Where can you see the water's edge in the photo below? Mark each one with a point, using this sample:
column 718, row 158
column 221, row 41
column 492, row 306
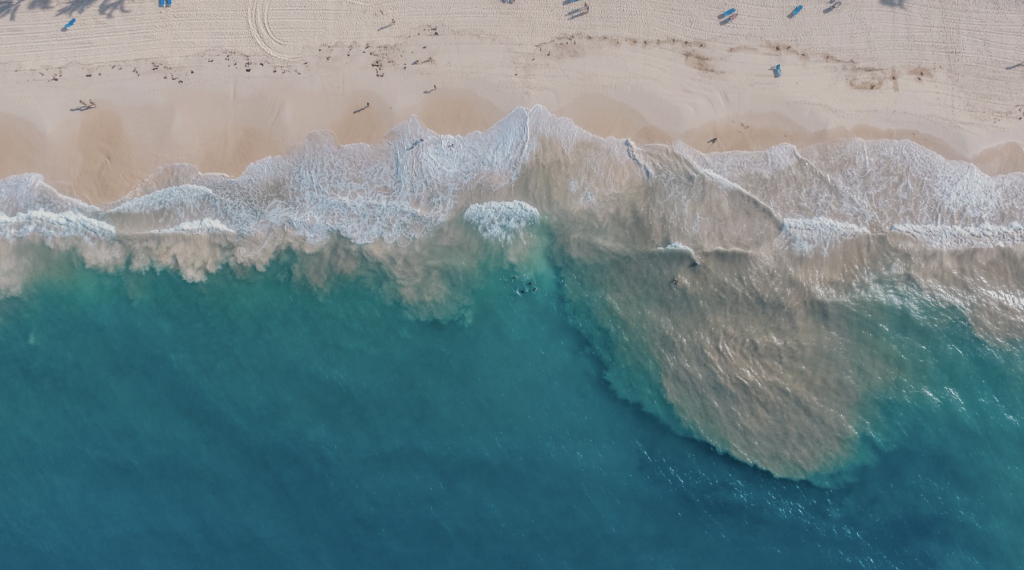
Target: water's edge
column 725, row 292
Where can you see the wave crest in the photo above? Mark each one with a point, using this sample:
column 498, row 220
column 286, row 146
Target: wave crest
column 502, row 221
column 742, row 349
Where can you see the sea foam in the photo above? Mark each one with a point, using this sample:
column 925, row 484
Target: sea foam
column 48, row 225
column 739, row 350
column 502, row 221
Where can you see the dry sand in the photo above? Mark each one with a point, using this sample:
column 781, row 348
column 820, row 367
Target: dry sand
column 223, row 83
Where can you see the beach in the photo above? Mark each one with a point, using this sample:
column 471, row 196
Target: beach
column 221, row 85
column 525, row 284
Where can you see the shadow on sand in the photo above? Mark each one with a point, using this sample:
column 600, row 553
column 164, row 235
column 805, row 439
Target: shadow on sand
column 9, row 8
column 107, row 7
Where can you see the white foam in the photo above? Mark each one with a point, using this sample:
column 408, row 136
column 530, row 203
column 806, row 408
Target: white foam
column 201, row 227
column 27, row 192
column 323, row 198
column 47, row 225
column 401, row 189
column 804, row 235
column 678, row 247
column 502, row 221
column 634, row 154
column 963, row 237
column 872, row 184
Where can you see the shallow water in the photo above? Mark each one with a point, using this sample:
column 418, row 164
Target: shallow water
column 790, row 358
column 254, row 422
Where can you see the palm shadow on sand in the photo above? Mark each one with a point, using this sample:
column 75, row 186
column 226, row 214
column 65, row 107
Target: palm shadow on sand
column 9, row 8
column 107, row 7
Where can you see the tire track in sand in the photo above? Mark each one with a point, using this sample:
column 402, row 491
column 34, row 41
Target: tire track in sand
column 261, row 26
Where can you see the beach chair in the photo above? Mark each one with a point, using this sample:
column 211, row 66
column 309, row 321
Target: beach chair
column 161, row 3
column 778, row 70
column 69, row 24
column 727, row 13
column 796, row 11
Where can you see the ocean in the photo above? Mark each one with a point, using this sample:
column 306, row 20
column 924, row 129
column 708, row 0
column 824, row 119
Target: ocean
column 528, row 347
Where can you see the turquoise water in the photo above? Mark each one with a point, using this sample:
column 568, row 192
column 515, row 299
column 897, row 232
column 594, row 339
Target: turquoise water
column 795, row 358
column 256, row 421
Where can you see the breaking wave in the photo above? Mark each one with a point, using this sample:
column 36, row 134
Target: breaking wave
column 718, row 288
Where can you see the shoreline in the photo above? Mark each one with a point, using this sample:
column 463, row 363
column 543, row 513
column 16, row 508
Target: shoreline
column 459, row 71
column 110, row 138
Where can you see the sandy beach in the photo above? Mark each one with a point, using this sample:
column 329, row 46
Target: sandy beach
column 512, row 283
column 223, row 84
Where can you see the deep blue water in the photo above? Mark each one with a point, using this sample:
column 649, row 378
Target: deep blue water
column 253, row 422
